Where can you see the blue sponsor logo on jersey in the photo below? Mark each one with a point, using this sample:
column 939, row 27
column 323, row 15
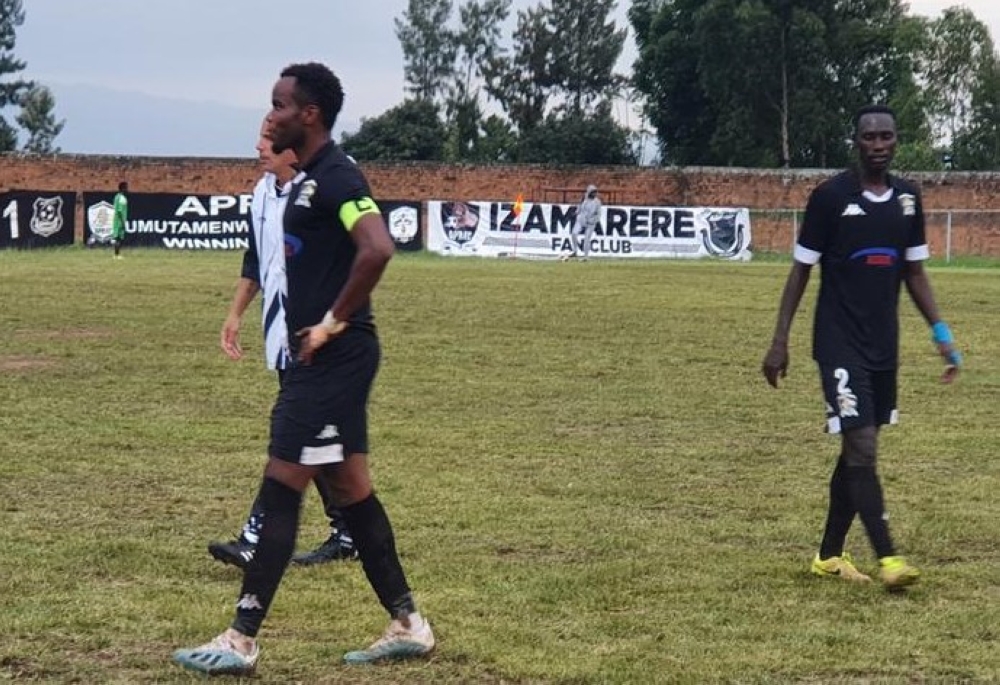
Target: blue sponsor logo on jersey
column 878, row 256
column 293, row 245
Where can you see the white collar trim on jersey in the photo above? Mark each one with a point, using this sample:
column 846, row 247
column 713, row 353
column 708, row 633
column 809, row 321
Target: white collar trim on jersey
column 884, row 197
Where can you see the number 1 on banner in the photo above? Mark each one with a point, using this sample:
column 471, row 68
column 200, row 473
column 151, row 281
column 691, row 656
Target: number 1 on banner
column 10, row 211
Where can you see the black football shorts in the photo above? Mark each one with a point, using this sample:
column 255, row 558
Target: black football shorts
column 321, row 413
column 856, row 397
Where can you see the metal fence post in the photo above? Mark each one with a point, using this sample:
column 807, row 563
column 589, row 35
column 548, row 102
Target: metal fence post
column 947, row 240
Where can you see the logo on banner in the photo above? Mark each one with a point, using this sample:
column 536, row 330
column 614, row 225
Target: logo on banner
column 403, row 224
column 46, row 217
column 460, row 222
column 101, row 219
column 725, row 235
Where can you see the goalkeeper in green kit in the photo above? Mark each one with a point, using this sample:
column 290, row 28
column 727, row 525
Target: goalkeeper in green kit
column 120, row 218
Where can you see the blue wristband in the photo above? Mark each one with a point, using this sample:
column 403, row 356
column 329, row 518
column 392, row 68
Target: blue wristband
column 941, row 334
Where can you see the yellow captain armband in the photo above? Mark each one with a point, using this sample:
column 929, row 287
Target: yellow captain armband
column 352, row 210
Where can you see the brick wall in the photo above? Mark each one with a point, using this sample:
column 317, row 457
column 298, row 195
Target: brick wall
column 757, row 189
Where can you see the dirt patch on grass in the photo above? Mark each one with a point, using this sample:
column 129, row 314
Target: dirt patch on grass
column 15, row 363
column 16, row 667
column 71, row 333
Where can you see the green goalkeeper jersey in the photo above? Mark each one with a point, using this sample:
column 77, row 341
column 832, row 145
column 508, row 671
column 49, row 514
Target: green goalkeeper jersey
column 121, row 216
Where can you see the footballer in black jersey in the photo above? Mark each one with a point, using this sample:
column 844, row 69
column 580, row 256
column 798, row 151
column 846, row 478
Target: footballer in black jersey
column 263, row 270
column 865, row 229
column 337, row 247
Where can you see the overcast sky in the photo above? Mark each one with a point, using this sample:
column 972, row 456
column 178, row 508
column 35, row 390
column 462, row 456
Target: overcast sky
column 193, row 77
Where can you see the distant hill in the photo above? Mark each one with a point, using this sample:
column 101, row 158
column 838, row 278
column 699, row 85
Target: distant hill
column 113, row 122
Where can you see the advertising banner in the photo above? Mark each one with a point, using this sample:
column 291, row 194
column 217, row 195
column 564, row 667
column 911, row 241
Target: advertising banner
column 172, row 221
column 36, row 218
column 406, row 225
column 545, row 231
column 211, row 222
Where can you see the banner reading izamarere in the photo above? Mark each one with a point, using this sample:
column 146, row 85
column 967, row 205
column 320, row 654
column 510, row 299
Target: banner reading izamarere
column 544, row 231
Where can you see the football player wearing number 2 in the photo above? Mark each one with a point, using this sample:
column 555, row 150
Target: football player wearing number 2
column 865, row 228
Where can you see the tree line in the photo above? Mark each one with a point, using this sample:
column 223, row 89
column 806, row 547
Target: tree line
column 750, row 83
column 753, row 83
column 770, row 83
column 544, row 93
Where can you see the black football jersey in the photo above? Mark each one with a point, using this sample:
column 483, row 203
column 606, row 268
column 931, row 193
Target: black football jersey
column 861, row 243
column 328, row 195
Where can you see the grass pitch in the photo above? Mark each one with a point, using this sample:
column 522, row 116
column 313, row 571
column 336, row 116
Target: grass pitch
column 589, row 479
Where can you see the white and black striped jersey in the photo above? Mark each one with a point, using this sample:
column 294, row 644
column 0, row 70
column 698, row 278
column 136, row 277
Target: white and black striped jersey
column 264, row 262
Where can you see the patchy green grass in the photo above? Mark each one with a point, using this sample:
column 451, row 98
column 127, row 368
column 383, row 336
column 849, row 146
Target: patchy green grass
column 589, row 479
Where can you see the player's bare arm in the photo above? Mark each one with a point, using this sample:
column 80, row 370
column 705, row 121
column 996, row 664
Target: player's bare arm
column 229, row 339
column 775, row 363
column 919, row 288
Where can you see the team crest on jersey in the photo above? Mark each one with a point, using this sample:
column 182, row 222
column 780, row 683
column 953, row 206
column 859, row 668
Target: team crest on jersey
column 909, row 204
column 725, row 233
column 46, row 217
column 101, row 219
column 403, row 224
column 306, row 194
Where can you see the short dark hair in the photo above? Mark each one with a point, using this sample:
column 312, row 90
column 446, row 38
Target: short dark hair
column 871, row 109
column 123, row 186
column 316, row 85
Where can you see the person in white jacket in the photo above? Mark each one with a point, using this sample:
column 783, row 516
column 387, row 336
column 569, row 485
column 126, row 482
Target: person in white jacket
column 587, row 215
column 264, row 271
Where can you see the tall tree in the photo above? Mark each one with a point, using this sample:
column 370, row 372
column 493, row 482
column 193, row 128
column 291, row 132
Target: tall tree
column 961, row 55
column 557, row 72
column 760, row 82
column 521, row 82
column 586, row 47
column 756, row 55
column 977, row 146
column 38, row 119
column 916, row 149
column 428, row 47
column 11, row 16
column 477, row 39
column 477, row 43
column 667, row 73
